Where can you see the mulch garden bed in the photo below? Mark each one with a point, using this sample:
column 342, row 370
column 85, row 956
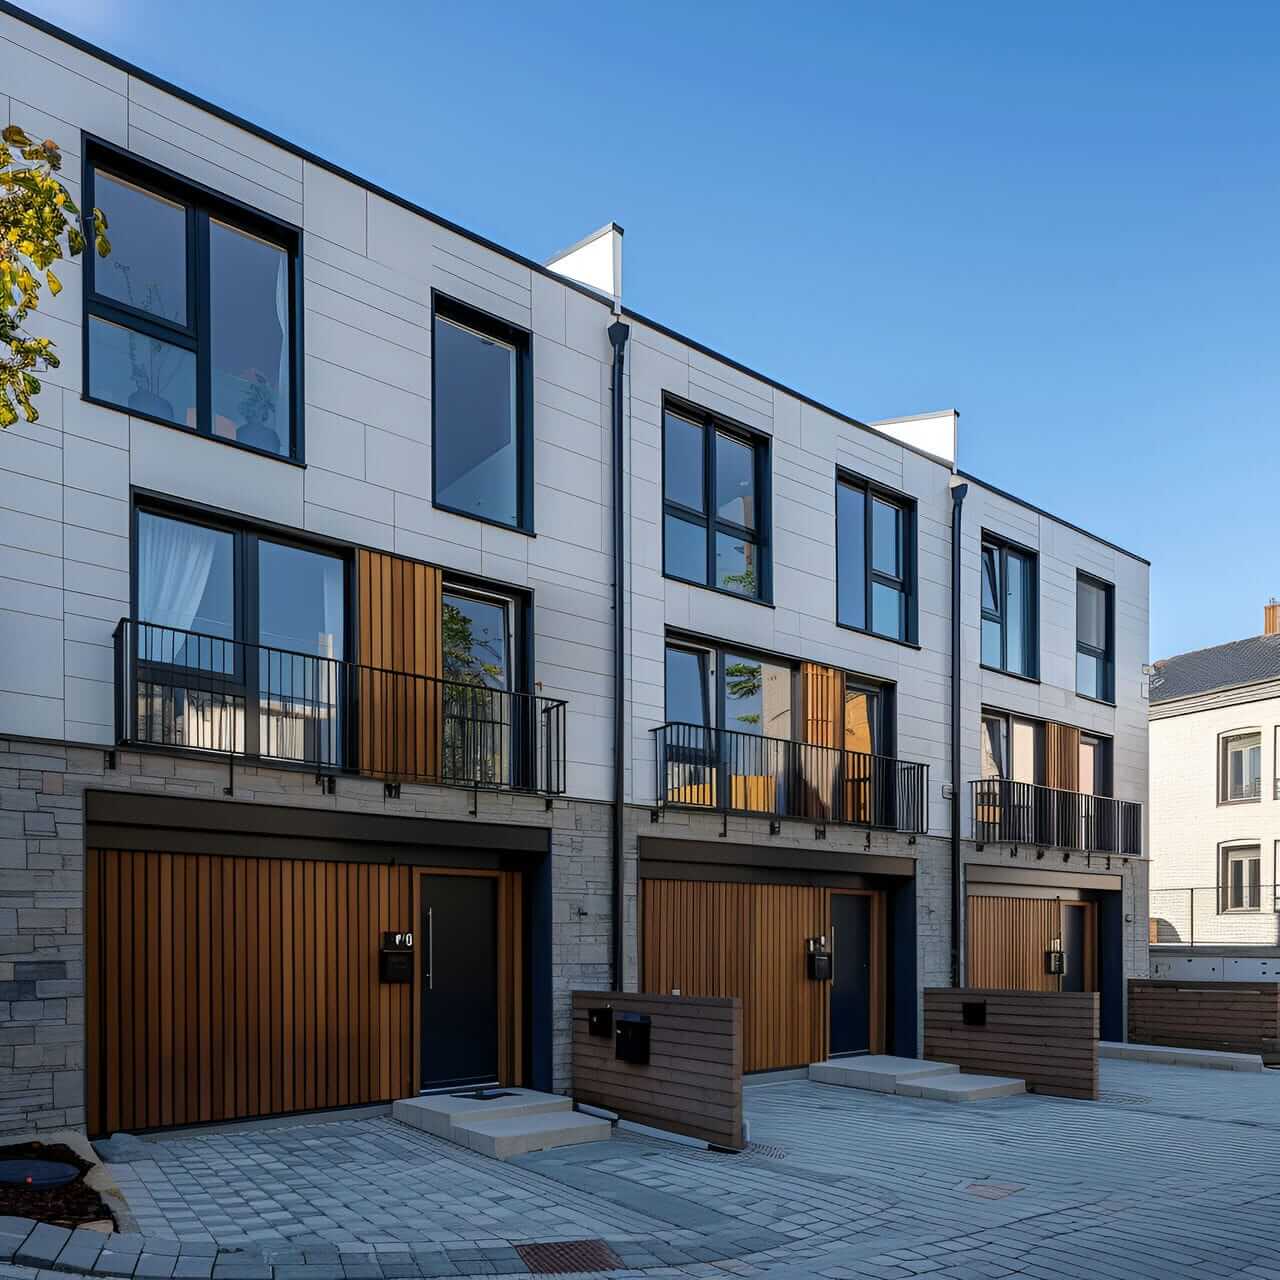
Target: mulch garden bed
column 72, row 1205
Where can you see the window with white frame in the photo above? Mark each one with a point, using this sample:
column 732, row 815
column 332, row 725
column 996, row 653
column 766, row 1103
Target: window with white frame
column 1240, row 878
column 1240, row 767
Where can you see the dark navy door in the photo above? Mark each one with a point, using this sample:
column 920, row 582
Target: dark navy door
column 459, row 941
column 850, row 973
column 1074, row 941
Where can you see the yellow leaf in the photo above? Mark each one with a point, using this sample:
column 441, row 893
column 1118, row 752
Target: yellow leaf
column 55, row 285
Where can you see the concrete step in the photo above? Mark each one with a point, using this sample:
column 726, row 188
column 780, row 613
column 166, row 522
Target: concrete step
column 1215, row 1059
column 504, row 1136
column 879, row 1072
column 441, row 1113
column 962, row 1087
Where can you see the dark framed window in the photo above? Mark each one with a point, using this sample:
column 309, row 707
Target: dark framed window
column 193, row 318
column 1240, row 878
column 481, row 416
column 1240, row 767
column 715, row 481
column 241, row 637
column 1095, row 638
column 875, row 559
column 1010, row 613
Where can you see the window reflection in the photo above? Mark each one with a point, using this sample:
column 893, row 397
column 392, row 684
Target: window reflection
column 147, row 268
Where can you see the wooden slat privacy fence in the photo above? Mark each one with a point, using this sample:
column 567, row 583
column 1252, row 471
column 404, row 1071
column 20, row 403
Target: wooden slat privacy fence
column 1049, row 1039
column 692, row 1083
column 1235, row 1017
column 226, row 987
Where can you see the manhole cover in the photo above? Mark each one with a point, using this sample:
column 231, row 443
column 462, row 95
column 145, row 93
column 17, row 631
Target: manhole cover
column 766, row 1149
column 564, row 1257
column 992, row 1190
column 37, row 1173
column 1124, row 1099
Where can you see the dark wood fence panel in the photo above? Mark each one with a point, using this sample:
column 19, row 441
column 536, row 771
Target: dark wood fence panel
column 220, row 988
column 692, row 1083
column 1048, row 1038
column 1235, row 1017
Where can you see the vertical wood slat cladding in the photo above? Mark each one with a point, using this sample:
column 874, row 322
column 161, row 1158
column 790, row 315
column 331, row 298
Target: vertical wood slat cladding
column 1062, row 756
column 399, row 630
column 707, row 938
column 1007, row 939
column 822, row 690
column 220, row 988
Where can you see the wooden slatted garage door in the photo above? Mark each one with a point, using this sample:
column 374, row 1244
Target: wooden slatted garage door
column 709, row 938
column 226, row 987
column 1007, row 939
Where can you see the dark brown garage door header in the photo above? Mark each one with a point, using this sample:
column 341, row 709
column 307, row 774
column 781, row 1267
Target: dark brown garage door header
column 125, row 820
column 664, row 858
column 979, row 873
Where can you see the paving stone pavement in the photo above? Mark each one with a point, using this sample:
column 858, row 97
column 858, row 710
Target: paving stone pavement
column 1170, row 1175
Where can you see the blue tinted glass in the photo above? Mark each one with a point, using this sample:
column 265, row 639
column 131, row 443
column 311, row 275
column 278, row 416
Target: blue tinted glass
column 991, row 655
column 1088, row 675
column 684, row 549
column 887, row 612
column 141, row 374
column 1018, row 646
column 851, row 556
column 737, row 565
column 886, row 538
column 735, row 481
column 682, row 463
column 686, row 687
column 147, row 267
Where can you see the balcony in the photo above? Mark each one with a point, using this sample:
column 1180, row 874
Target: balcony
column 182, row 690
column 1024, row 813
column 725, row 771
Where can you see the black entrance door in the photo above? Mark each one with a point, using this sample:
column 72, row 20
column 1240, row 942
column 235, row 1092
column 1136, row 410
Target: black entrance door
column 459, row 980
column 850, row 973
column 1074, row 920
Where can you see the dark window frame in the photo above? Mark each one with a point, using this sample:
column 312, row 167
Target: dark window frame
column 1107, row 655
column 713, row 424
column 1245, row 853
column 908, row 583
column 246, row 587
column 455, row 311
column 1105, row 760
column 201, row 204
column 1031, row 614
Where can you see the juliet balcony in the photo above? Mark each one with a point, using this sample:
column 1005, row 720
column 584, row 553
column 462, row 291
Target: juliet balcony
column 727, row 771
column 185, row 691
column 1024, row 813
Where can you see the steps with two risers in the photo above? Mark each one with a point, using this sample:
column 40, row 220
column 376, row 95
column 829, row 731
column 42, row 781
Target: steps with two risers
column 913, row 1078
column 501, row 1122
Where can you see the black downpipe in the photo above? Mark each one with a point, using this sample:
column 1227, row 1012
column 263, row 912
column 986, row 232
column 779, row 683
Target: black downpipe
column 957, row 889
column 618, row 333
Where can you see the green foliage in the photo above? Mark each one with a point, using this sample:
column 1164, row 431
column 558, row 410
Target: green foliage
column 37, row 216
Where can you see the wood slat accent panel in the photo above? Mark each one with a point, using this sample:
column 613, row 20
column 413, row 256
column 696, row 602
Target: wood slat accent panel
column 220, row 988
column 1050, row 1039
column 1007, row 939
column 708, row 938
column 1062, row 756
column 692, row 1083
column 1234, row 1017
column 823, row 704
column 398, row 630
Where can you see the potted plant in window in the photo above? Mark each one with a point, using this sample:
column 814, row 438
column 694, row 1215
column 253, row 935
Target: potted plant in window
column 151, row 364
column 258, row 413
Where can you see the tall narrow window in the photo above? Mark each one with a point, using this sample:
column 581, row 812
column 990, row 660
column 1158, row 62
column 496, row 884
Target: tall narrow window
column 1009, row 614
column 1095, row 638
column 1240, row 878
column 1240, row 767
column 191, row 317
column 480, row 416
column 714, row 529
column 875, row 560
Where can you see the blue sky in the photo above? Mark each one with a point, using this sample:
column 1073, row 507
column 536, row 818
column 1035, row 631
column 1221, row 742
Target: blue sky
column 1062, row 220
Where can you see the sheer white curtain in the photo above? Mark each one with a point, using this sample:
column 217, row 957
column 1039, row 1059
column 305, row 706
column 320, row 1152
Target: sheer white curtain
column 174, row 560
column 282, row 373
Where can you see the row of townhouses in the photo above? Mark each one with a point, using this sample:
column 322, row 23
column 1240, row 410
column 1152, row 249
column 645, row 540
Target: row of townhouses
column 397, row 634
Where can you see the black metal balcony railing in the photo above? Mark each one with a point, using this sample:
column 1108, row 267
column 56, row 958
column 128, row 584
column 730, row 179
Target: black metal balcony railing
column 186, row 690
column 727, row 771
column 1024, row 813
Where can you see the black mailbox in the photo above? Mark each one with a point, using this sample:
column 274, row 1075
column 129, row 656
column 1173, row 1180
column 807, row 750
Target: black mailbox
column 1055, row 962
column 973, row 1013
column 631, row 1038
column 818, row 959
column 600, row 1021
column 395, row 957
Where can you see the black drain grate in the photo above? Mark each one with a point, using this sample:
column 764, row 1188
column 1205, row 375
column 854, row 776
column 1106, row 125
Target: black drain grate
column 565, row 1257
column 1119, row 1099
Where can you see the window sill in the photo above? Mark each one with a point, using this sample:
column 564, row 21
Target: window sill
column 720, row 591
column 1013, row 675
column 1227, row 804
column 188, row 431
column 875, row 635
column 489, row 520
column 1240, row 911
column 1101, row 702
